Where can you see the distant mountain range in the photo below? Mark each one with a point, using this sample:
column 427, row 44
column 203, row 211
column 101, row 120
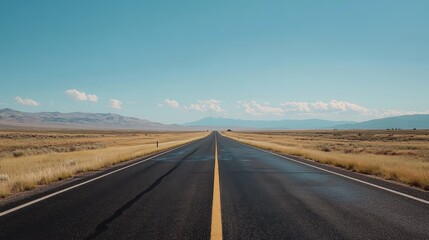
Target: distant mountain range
column 419, row 121
column 259, row 124
column 107, row 121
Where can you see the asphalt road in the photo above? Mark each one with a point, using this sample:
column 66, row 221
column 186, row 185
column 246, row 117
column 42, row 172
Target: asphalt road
column 262, row 196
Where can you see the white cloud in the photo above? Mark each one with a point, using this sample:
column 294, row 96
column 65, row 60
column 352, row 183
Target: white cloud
column 333, row 109
column 392, row 113
column 347, row 106
column 92, row 97
column 115, row 103
column 320, row 105
column 395, row 112
column 205, row 105
column 331, row 106
column 81, row 96
column 76, row 94
column 336, row 107
column 171, row 103
column 298, row 106
column 254, row 108
column 26, row 101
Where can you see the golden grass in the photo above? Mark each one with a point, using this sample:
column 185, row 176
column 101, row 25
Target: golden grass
column 401, row 156
column 52, row 156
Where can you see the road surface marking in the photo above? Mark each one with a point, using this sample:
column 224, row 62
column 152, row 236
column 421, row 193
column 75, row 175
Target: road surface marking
column 216, row 228
column 344, row 176
column 83, row 183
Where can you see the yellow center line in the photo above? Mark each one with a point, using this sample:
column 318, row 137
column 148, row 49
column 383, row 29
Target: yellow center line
column 216, row 228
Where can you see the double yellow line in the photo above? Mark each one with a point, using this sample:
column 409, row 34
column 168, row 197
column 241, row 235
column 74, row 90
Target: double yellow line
column 216, row 227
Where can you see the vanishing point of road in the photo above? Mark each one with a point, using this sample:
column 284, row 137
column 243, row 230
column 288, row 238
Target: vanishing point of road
column 217, row 188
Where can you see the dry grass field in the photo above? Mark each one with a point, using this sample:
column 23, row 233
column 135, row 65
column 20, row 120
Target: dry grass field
column 401, row 155
column 29, row 159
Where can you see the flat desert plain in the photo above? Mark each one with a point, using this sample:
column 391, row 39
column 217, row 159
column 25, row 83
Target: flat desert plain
column 32, row 158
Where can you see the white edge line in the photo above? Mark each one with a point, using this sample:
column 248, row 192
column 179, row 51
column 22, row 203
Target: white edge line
column 341, row 175
column 86, row 182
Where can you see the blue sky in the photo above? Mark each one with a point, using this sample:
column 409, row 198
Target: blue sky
column 178, row 61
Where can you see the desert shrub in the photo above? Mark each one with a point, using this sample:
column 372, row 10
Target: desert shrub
column 326, row 149
column 18, row 153
column 4, row 177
